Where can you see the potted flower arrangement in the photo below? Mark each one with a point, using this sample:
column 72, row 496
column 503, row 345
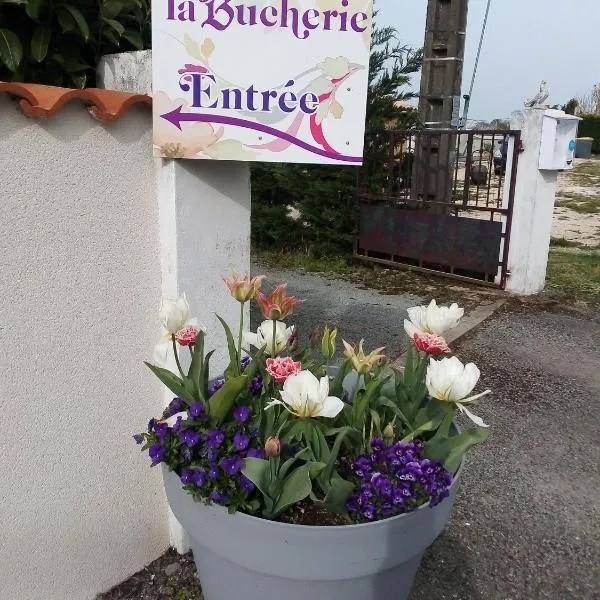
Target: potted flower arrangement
column 295, row 478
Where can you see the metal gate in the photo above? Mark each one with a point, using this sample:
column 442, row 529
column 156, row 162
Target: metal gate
column 442, row 203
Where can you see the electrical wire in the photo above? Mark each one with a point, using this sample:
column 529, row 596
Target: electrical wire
column 481, row 39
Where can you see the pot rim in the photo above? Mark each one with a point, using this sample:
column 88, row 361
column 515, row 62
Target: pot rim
column 380, row 522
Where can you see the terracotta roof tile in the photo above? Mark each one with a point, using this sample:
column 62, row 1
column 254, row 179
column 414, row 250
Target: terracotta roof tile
column 45, row 101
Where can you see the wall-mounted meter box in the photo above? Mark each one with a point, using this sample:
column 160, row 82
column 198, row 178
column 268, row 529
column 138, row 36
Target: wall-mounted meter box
column 559, row 140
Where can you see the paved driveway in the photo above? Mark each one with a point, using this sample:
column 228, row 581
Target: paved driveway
column 527, row 521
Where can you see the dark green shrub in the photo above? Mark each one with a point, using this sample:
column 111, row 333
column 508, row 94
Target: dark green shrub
column 60, row 42
column 590, row 127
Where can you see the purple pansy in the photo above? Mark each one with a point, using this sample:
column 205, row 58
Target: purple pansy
column 216, row 385
column 199, row 477
column 177, row 425
column 157, row 453
column 196, row 410
column 256, row 453
column 240, row 440
column 138, row 438
column 246, row 485
column 161, row 429
column 176, row 405
column 191, row 438
column 186, row 476
column 215, row 437
column 256, row 385
column 395, row 479
column 242, row 413
column 218, row 497
column 232, row 465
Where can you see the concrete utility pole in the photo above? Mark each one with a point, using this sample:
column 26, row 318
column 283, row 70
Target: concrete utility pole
column 439, row 103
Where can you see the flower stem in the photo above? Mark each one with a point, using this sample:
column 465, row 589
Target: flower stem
column 176, row 356
column 239, row 352
column 444, row 428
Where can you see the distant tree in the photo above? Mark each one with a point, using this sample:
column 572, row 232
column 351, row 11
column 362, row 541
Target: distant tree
column 503, row 124
column 589, row 103
column 572, row 107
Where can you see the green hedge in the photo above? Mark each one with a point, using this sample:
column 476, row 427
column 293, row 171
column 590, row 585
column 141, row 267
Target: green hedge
column 590, row 127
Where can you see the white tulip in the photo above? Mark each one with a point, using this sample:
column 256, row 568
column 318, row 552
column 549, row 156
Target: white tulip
column 263, row 338
column 432, row 319
column 451, row 381
column 174, row 314
column 306, row 396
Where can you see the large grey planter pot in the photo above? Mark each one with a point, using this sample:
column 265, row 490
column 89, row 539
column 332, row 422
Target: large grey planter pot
column 240, row 557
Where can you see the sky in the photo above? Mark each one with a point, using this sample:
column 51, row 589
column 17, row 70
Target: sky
column 526, row 41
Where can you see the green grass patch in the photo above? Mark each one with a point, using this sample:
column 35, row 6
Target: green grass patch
column 585, row 173
column 575, row 272
column 579, row 203
column 340, row 265
column 563, row 243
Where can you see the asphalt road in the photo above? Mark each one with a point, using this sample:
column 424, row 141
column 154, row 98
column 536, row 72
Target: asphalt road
column 526, row 525
column 357, row 312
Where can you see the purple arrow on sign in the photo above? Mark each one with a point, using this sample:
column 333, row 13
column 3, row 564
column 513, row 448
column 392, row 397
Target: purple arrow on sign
column 177, row 116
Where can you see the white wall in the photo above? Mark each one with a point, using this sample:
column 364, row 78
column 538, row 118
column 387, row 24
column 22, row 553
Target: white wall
column 126, row 71
column 80, row 274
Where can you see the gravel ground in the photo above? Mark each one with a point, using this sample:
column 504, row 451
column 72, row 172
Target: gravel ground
column 527, row 521
column 355, row 310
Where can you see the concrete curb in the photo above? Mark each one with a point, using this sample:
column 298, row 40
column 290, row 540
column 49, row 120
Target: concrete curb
column 472, row 319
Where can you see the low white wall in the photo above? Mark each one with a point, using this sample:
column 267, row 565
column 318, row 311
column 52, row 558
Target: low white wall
column 80, row 274
column 204, row 216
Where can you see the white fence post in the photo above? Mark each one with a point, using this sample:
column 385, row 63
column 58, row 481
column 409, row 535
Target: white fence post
column 204, row 228
column 533, row 210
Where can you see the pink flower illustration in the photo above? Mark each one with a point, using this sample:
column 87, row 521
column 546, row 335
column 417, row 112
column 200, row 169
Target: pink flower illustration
column 191, row 140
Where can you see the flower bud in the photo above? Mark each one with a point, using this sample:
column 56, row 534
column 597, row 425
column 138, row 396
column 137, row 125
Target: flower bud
column 174, row 314
column 328, row 343
column 388, row 432
column 273, row 447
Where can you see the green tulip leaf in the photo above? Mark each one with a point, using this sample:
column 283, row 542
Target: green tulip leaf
column 174, row 383
column 221, row 403
column 450, row 450
column 339, row 490
column 295, row 488
column 257, row 471
column 234, row 361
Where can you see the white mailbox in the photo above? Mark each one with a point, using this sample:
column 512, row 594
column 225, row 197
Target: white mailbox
column 559, row 139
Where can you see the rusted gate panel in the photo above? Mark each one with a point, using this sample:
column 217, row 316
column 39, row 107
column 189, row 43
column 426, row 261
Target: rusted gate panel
column 462, row 231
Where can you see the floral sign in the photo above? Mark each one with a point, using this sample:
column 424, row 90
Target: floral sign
column 261, row 80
